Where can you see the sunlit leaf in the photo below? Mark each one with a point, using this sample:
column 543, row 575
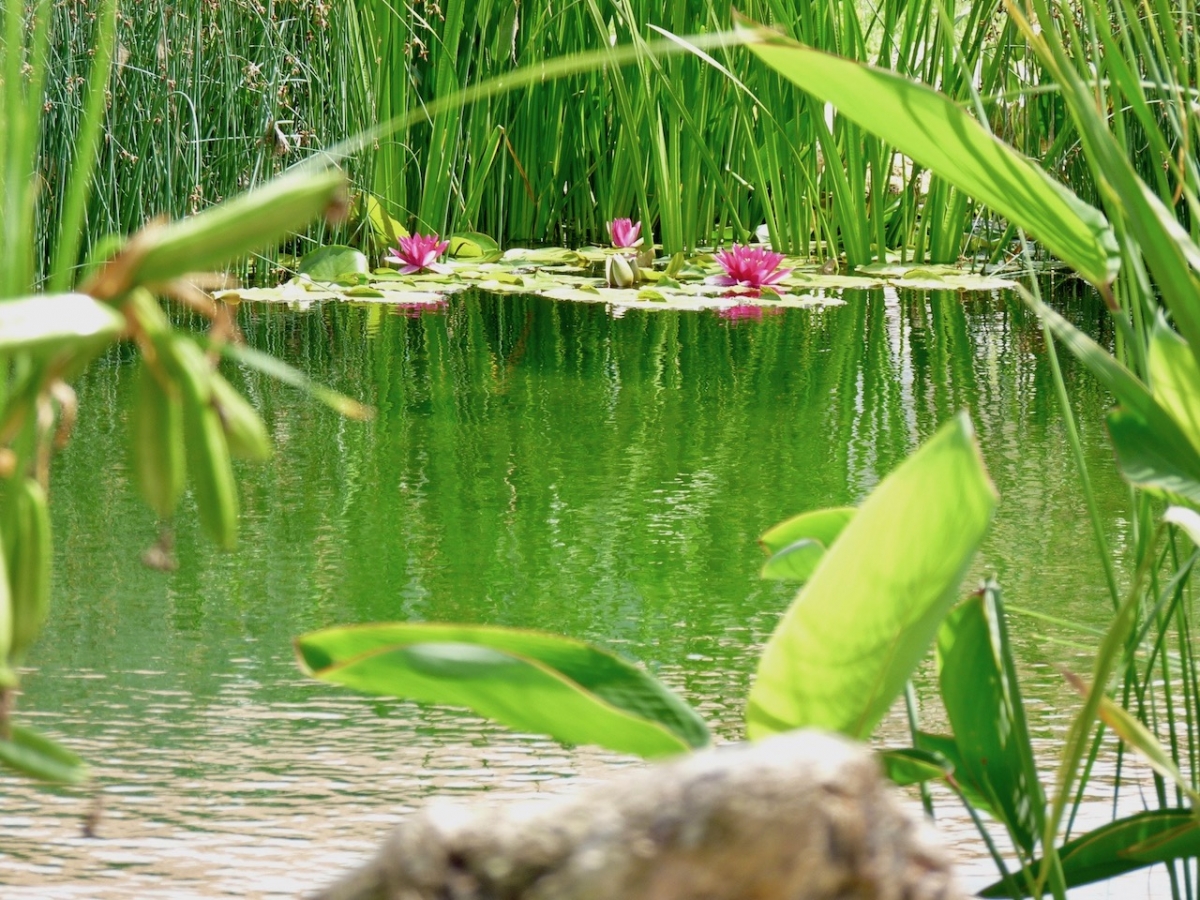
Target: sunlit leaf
column 1175, row 378
column 1152, row 460
column 938, row 134
column 981, row 694
column 49, row 322
column 38, row 757
column 1187, row 519
column 845, row 648
column 536, row 682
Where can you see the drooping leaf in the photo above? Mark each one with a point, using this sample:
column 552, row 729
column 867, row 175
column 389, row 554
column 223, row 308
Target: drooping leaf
column 907, row 765
column 1122, row 846
column 574, row 692
column 1152, row 449
column 932, row 129
column 1175, row 378
column 333, row 263
column 821, row 525
column 795, row 562
column 50, row 322
column 844, row 649
column 982, row 697
column 37, row 756
column 1151, row 460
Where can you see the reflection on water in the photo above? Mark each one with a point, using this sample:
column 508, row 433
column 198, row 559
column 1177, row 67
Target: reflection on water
column 533, row 463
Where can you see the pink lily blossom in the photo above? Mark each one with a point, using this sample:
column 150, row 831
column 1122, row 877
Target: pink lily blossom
column 751, row 267
column 625, row 234
column 419, row 253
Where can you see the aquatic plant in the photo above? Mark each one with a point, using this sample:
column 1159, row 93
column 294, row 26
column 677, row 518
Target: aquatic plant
column 419, row 253
column 620, row 271
column 625, row 234
column 749, row 267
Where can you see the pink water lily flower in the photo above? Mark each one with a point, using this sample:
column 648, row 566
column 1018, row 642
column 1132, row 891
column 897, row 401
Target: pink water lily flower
column 751, row 267
column 625, row 234
column 419, row 253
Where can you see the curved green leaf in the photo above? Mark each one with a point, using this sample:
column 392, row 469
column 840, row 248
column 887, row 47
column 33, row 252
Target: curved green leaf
column 1122, row 846
column 932, row 129
column 574, row 692
column 1165, row 464
column 844, row 649
column 795, row 562
column 37, row 756
column 945, row 747
column 821, row 525
column 983, row 702
column 333, row 263
column 908, row 765
column 1175, row 378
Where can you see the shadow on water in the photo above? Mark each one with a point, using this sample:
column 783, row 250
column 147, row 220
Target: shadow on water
column 533, row 463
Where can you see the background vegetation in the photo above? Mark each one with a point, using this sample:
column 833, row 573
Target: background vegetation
column 212, row 98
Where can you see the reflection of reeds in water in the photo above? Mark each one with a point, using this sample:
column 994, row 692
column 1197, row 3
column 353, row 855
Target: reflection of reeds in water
column 533, row 463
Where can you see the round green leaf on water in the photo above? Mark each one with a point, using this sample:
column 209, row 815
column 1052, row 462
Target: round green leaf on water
column 572, row 691
column 333, row 263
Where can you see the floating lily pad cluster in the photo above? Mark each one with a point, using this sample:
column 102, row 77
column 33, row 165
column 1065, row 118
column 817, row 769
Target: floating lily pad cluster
column 679, row 282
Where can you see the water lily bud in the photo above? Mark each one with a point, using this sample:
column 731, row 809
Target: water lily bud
column 620, row 272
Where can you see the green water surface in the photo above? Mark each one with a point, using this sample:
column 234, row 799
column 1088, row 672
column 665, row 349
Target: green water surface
column 533, row 463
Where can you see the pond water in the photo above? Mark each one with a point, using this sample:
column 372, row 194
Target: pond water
column 533, row 463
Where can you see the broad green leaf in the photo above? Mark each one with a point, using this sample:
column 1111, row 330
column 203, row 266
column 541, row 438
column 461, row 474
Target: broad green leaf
column 48, row 322
column 574, row 692
column 1125, row 845
column 983, row 703
column 333, row 263
column 932, row 129
column 1152, row 449
column 795, row 562
column 37, row 756
column 844, row 649
column 1153, row 462
column 1175, row 379
column 472, row 246
column 908, row 765
column 821, row 525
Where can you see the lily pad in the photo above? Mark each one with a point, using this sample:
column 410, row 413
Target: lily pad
column 333, row 263
column 470, row 246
